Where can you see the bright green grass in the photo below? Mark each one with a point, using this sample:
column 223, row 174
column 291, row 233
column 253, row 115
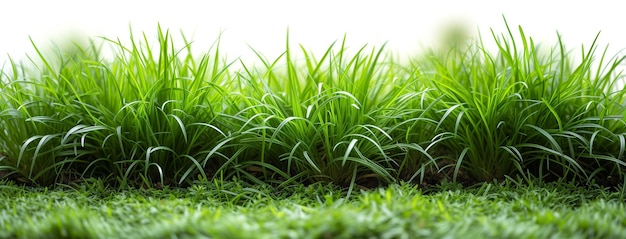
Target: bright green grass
column 157, row 114
column 230, row 210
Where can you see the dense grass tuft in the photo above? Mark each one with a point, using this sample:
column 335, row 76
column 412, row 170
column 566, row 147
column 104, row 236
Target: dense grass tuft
column 156, row 115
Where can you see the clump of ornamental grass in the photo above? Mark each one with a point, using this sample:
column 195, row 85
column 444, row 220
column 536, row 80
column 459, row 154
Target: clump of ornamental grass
column 161, row 113
column 321, row 119
column 526, row 111
column 146, row 116
column 33, row 123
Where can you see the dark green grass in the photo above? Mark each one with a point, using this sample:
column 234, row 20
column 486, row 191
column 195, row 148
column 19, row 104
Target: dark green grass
column 233, row 210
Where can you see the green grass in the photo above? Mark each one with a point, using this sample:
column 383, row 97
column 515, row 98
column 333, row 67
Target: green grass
column 155, row 114
column 158, row 142
column 237, row 210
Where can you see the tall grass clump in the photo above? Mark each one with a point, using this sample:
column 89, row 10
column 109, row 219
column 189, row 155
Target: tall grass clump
column 33, row 122
column 162, row 121
column 147, row 116
column 320, row 119
column 528, row 111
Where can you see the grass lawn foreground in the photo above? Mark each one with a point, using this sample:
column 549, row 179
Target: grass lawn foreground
column 230, row 210
column 520, row 141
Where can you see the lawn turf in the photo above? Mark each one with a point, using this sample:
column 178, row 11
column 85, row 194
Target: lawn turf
column 233, row 210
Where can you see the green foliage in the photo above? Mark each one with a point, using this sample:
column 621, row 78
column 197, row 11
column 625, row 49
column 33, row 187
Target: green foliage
column 322, row 122
column 526, row 111
column 156, row 115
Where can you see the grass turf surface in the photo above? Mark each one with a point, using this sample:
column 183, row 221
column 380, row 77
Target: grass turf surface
column 84, row 132
column 233, row 210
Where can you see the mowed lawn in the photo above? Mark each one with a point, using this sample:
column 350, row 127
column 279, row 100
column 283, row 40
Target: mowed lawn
column 231, row 210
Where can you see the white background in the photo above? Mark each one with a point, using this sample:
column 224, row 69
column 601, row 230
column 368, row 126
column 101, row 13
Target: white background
column 405, row 25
